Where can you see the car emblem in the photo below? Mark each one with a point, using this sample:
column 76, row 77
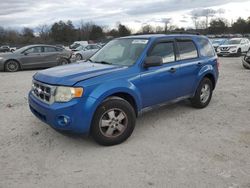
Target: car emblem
column 38, row 91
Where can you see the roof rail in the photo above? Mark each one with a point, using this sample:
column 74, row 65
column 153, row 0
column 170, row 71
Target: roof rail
column 185, row 32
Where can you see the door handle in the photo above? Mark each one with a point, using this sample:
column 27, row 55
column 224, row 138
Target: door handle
column 172, row 70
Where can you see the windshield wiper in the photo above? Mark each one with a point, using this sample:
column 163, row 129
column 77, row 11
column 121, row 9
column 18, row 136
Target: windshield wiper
column 88, row 60
column 103, row 62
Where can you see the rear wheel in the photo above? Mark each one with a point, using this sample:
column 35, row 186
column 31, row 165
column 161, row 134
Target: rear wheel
column 203, row 94
column 11, row 66
column 63, row 62
column 113, row 122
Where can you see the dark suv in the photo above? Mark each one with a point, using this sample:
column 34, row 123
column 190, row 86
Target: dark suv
column 128, row 76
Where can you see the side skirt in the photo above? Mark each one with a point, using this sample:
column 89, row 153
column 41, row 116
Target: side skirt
column 150, row 108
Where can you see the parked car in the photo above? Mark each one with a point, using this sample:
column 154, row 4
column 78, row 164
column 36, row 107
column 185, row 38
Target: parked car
column 7, row 49
column 34, row 56
column 77, row 44
column 234, row 46
column 246, row 60
column 83, row 53
column 127, row 77
column 218, row 42
column 4, row 49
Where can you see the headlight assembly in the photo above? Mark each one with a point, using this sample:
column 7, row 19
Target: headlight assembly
column 65, row 94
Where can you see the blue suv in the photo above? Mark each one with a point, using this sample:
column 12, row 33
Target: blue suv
column 130, row 75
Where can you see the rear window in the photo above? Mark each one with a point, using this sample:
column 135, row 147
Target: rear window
column 49, row 49
column 206, row 49
column 187, row 49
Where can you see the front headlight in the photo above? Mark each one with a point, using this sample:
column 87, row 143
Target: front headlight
column 65, row 94
column 233, row 47
column 1, row 58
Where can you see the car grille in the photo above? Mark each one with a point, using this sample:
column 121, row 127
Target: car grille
column 43, row 92
column 224, row 48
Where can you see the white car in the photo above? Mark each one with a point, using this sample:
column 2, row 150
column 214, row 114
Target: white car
column 78, row 43
column 83, row 53
column 234, row 46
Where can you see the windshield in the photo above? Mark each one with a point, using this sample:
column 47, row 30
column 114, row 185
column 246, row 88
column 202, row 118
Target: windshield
column 20, row 50
column 123, row 52
column 79, row 48
column 233, row 41
column 218, row 42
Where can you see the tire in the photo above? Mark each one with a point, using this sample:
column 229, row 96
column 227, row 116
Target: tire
column 78, row 57
column 203, row 94
column 113, row 122
column 11, row 66
column 63, row 62
column 239, row 52
column 246, row 67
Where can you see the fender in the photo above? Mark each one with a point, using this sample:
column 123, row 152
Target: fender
column 207, row 69
column 119, row 86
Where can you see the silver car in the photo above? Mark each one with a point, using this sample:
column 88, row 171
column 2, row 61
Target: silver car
column 85, row 52
column 34, row 56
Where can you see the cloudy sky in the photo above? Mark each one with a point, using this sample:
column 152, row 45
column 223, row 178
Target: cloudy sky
column 134, row 13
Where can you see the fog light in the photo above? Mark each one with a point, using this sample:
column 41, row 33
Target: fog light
column 63, row 120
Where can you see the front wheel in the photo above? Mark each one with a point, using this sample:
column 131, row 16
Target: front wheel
column 113, row 122
column 11, row 66
column 78, row 57
column 203, row 94
column 239, row 52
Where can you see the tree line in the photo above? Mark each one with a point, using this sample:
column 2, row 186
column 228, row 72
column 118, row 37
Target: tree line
column 64, row 32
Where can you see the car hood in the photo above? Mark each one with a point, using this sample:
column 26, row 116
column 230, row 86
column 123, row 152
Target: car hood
column 69, row 75
column 6, row 54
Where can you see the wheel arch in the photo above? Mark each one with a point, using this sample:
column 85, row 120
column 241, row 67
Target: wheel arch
column 127, row 97
column 211, row 77
column 125, row 90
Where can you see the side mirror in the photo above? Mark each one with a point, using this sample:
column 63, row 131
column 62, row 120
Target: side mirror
column 25, row 53
column 153, row 61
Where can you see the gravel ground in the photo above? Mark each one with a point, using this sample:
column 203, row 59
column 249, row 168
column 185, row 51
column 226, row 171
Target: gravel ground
column 175, row 146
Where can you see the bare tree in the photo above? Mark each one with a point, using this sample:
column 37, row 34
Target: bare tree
column 44, row 32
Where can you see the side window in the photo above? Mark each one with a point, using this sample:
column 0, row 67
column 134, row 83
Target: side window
column 206, row 49
column 36, row 49
column 95, row 47
column 49, row 49
column 164, row 50
column 88, row 47
column 187, row 50
column 59, row 49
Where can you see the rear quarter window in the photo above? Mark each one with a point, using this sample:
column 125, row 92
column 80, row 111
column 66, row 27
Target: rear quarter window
column 206, row 49
column 187, row 49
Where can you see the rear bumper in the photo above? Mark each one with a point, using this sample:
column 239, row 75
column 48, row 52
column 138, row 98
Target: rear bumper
column 77, row 112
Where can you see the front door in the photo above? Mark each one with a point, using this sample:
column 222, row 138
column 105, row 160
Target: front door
column 32, row 57
column 159, row 84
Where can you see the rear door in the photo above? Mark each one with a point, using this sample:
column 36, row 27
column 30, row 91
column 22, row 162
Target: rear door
column 50, row 56
column 190, row 64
